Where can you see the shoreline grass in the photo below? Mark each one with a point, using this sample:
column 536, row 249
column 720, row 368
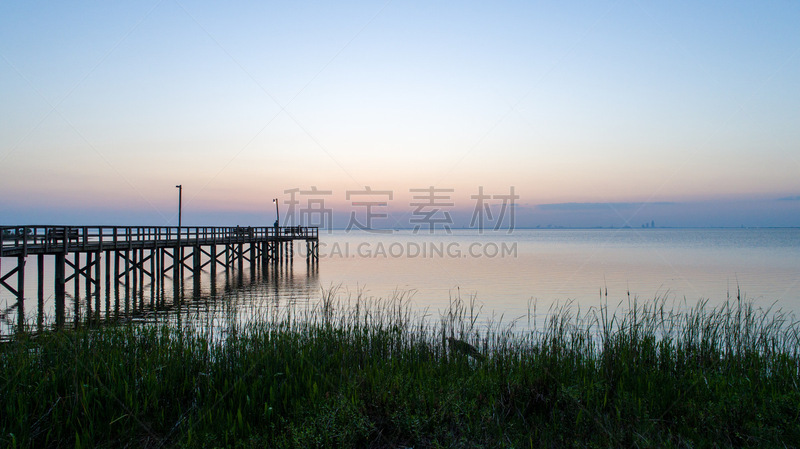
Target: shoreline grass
column 371, row 373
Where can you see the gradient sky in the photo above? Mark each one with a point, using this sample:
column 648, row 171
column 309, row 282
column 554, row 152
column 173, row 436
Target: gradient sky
column 678, row 112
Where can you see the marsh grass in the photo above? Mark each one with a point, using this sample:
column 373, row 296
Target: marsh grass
column 354, row 371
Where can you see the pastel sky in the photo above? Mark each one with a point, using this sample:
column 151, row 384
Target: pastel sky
column 597, row 113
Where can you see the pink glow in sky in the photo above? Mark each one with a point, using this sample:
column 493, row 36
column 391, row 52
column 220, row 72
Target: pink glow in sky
column 105, row 108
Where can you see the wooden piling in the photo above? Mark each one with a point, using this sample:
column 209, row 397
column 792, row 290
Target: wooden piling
column 40, row 275
column 59, row 279
column 75, row 274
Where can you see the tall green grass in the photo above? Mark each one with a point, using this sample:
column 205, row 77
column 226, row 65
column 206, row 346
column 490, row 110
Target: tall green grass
column 361, row 372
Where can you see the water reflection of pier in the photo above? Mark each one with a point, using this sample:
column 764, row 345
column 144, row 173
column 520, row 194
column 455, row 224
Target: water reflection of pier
column 150, row 269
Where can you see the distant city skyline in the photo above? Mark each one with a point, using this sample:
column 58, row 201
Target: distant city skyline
column 776, row 213
column 610, row 114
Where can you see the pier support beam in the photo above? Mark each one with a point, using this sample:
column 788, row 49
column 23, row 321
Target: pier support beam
column 40, row 275
column 77, row 282
column 196, row 262
column 213, row 262
column 20, row 293
column 60, row 281
column 19, row 270
column 40, row 304
column 176, row 268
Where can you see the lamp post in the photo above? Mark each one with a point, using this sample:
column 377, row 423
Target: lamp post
column 177, row 265
column 277, row 213
column 180, row 195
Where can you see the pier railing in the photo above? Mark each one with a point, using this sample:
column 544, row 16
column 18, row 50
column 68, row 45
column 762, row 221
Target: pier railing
column 23, row 240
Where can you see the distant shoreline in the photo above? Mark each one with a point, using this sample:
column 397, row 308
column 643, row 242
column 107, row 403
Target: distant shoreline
column 609, row 228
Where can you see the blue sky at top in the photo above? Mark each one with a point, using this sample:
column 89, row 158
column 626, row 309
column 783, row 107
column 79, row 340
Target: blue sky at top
column 105, row 107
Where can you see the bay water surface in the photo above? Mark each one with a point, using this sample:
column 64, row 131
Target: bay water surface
column 502, row 273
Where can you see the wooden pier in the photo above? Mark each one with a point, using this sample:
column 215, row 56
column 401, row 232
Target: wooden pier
column 135, row 254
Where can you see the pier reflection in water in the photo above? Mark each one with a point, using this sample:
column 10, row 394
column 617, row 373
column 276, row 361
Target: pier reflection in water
column 237, row 294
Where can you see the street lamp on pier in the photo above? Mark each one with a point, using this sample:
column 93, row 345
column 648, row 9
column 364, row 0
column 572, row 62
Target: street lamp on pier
column 180, row 200
column 277, row 213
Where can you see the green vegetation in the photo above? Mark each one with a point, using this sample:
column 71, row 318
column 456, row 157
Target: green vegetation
column 373, row 374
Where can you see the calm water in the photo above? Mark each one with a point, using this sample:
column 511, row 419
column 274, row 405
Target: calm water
column 559, row 265
column 504, row 273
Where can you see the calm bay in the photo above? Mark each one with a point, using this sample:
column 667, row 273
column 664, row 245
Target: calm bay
column 503, row 273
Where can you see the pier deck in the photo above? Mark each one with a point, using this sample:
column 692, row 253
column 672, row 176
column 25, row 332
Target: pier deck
column 139, row 252
column 30, row 240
